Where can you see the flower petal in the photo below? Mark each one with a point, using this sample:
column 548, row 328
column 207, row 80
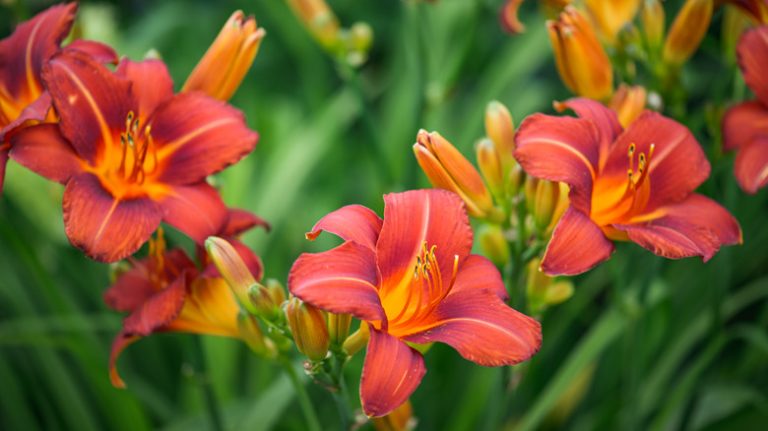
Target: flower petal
column 483, row 329
column 33, row 42
column 209, row 309
column 678, row 165
column 152, row 84
column 744, row 123
column 419, row 218
column 92, row 102
column 351, row 223
column 32, row 114
column 577, row 245
column 751, row 166
column 239, row 221
column 105, row 228
column 752, row 53
column 478, row 273
column 196, row 210
column 3, row 164
column 697, row 226
column 391, row 372
column 198, row 136
column 43, row 150
column 100, row 52
column 605, row 119
column 563, row 149
column 119, row 344
column 340, row 280
column 251, row 260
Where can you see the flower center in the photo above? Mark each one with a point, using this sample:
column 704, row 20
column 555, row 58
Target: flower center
column 136, row 145
column 412, row 307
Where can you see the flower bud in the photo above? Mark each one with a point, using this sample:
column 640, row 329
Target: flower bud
column 652, row 19
column 735, row 23
column 563, row 202
column 581, row 61
column 628, row 103
column 447, row 169
column 541, row 197
column 501, row 130
column 544, row 291
column 515, row 179
column 251, row 333
column 756, row 10
column 493, row 244
column 687, row 31
column 338, row 327
column 262, row 302
column 319, row 19
column 611, row 16
column 357, row 340
column 309, row 329
column 276, row 292
column 233, row 270
column 510, row 22
column 400, row 419
column 224, row 65
column 490, row 166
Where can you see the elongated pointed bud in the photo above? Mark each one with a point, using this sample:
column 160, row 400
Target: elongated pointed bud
column 501, row 130
column 233, row 270
column 448, row 169
column 541, row 197
column 652, row 19
column 544, row 291
column 276, row 292
column 400, row 419
column 223, row 67
column 563, row 202
column 263, row 303
column 735, row 23
column 581, row 60
column 319, row 19
column 493, row 244
column 357, row 340
column 515, row 180
column 490, row 166
column 687, row 31
column 628, row 103
column 251, row 333
column 611, row 16
column 309, row 329
column 338, row 327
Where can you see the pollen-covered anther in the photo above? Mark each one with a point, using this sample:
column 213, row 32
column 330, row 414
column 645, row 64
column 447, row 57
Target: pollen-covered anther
column 136, row 144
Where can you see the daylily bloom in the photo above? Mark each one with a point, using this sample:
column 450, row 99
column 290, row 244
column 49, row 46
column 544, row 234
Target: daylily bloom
column 131, row 153
column 224, row 65
column 23, row 100
column 626, row 184
column 745, row 126
column 166, row 292
column 411, row 278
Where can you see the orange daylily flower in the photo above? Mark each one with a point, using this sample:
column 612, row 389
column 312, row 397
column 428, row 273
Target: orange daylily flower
column 626, row 184
column 131, row 153
column 224, row 65
column 23, row 99
column 166, row 292
column 411, row 279
column 745, row 126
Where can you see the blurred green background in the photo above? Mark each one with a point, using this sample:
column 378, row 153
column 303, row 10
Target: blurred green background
column 644, row 343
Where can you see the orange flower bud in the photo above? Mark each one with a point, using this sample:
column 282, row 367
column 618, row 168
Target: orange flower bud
column 687, row 31
column 276, row 292
column 319, row 20
column 309, row 329
column 581, row 61
column 501, row 130
column 541, row 199
column 652, row 18
column 233, row 269
column 493, row 244
column 509, row 19
column 400, row 419
column 338, row 327
column 222, row 68
column 611, row 16
column 448, row 169
column 261, row 300
column 357, row 340
column 488, row 160
column 628, row 103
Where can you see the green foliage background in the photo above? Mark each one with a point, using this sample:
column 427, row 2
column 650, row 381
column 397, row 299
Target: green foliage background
column 644, row 343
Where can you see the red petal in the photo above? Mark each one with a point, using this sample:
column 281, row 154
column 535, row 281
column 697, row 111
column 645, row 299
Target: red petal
column 752, row 54
column 391, row 372
column 697, row 226
column 483, row 329
column 417, row 218
column 44, row 151
column 340, row 280
column 743, row 124
column 3, row 164
column 751, row 166
column 152, row 84
column 239, row 221
column 352, row 223
column 33, row 42
column 577, row 245
column 678, row 165
column 196, row 210
column 92, row 102
column 119, row 344
column 107, row 229
column 198, row 136
column 100, row 52
column 32, row 114
column 605, row 119
column 479, row 273
column 563, row 149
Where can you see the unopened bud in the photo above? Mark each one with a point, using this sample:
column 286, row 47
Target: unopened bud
column 563, row 202
column 233, row 270
column 400, row 419
column 357, row 340
column 756, row 10
column 515, row 179
column 490, row 166
column 541, row 198
column 251, row 333
column 319, row 19
column 494, row 244
column 610, row 17
column 652, row 19
column 338, row 327
column 544, row 291
column 628, row 103
column 309, row 329
column 262, row 302
column 501, row 130
column 687, row 31
column 276, row 291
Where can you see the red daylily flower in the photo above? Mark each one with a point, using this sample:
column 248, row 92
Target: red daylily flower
column 165, row 292
column 23, row 54
column 745, row 126
column 131, row 153
column 411, row 278
column 626, row 184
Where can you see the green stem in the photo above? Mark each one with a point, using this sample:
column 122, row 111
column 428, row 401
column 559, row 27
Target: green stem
column 313, row 424
column 211, row 405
